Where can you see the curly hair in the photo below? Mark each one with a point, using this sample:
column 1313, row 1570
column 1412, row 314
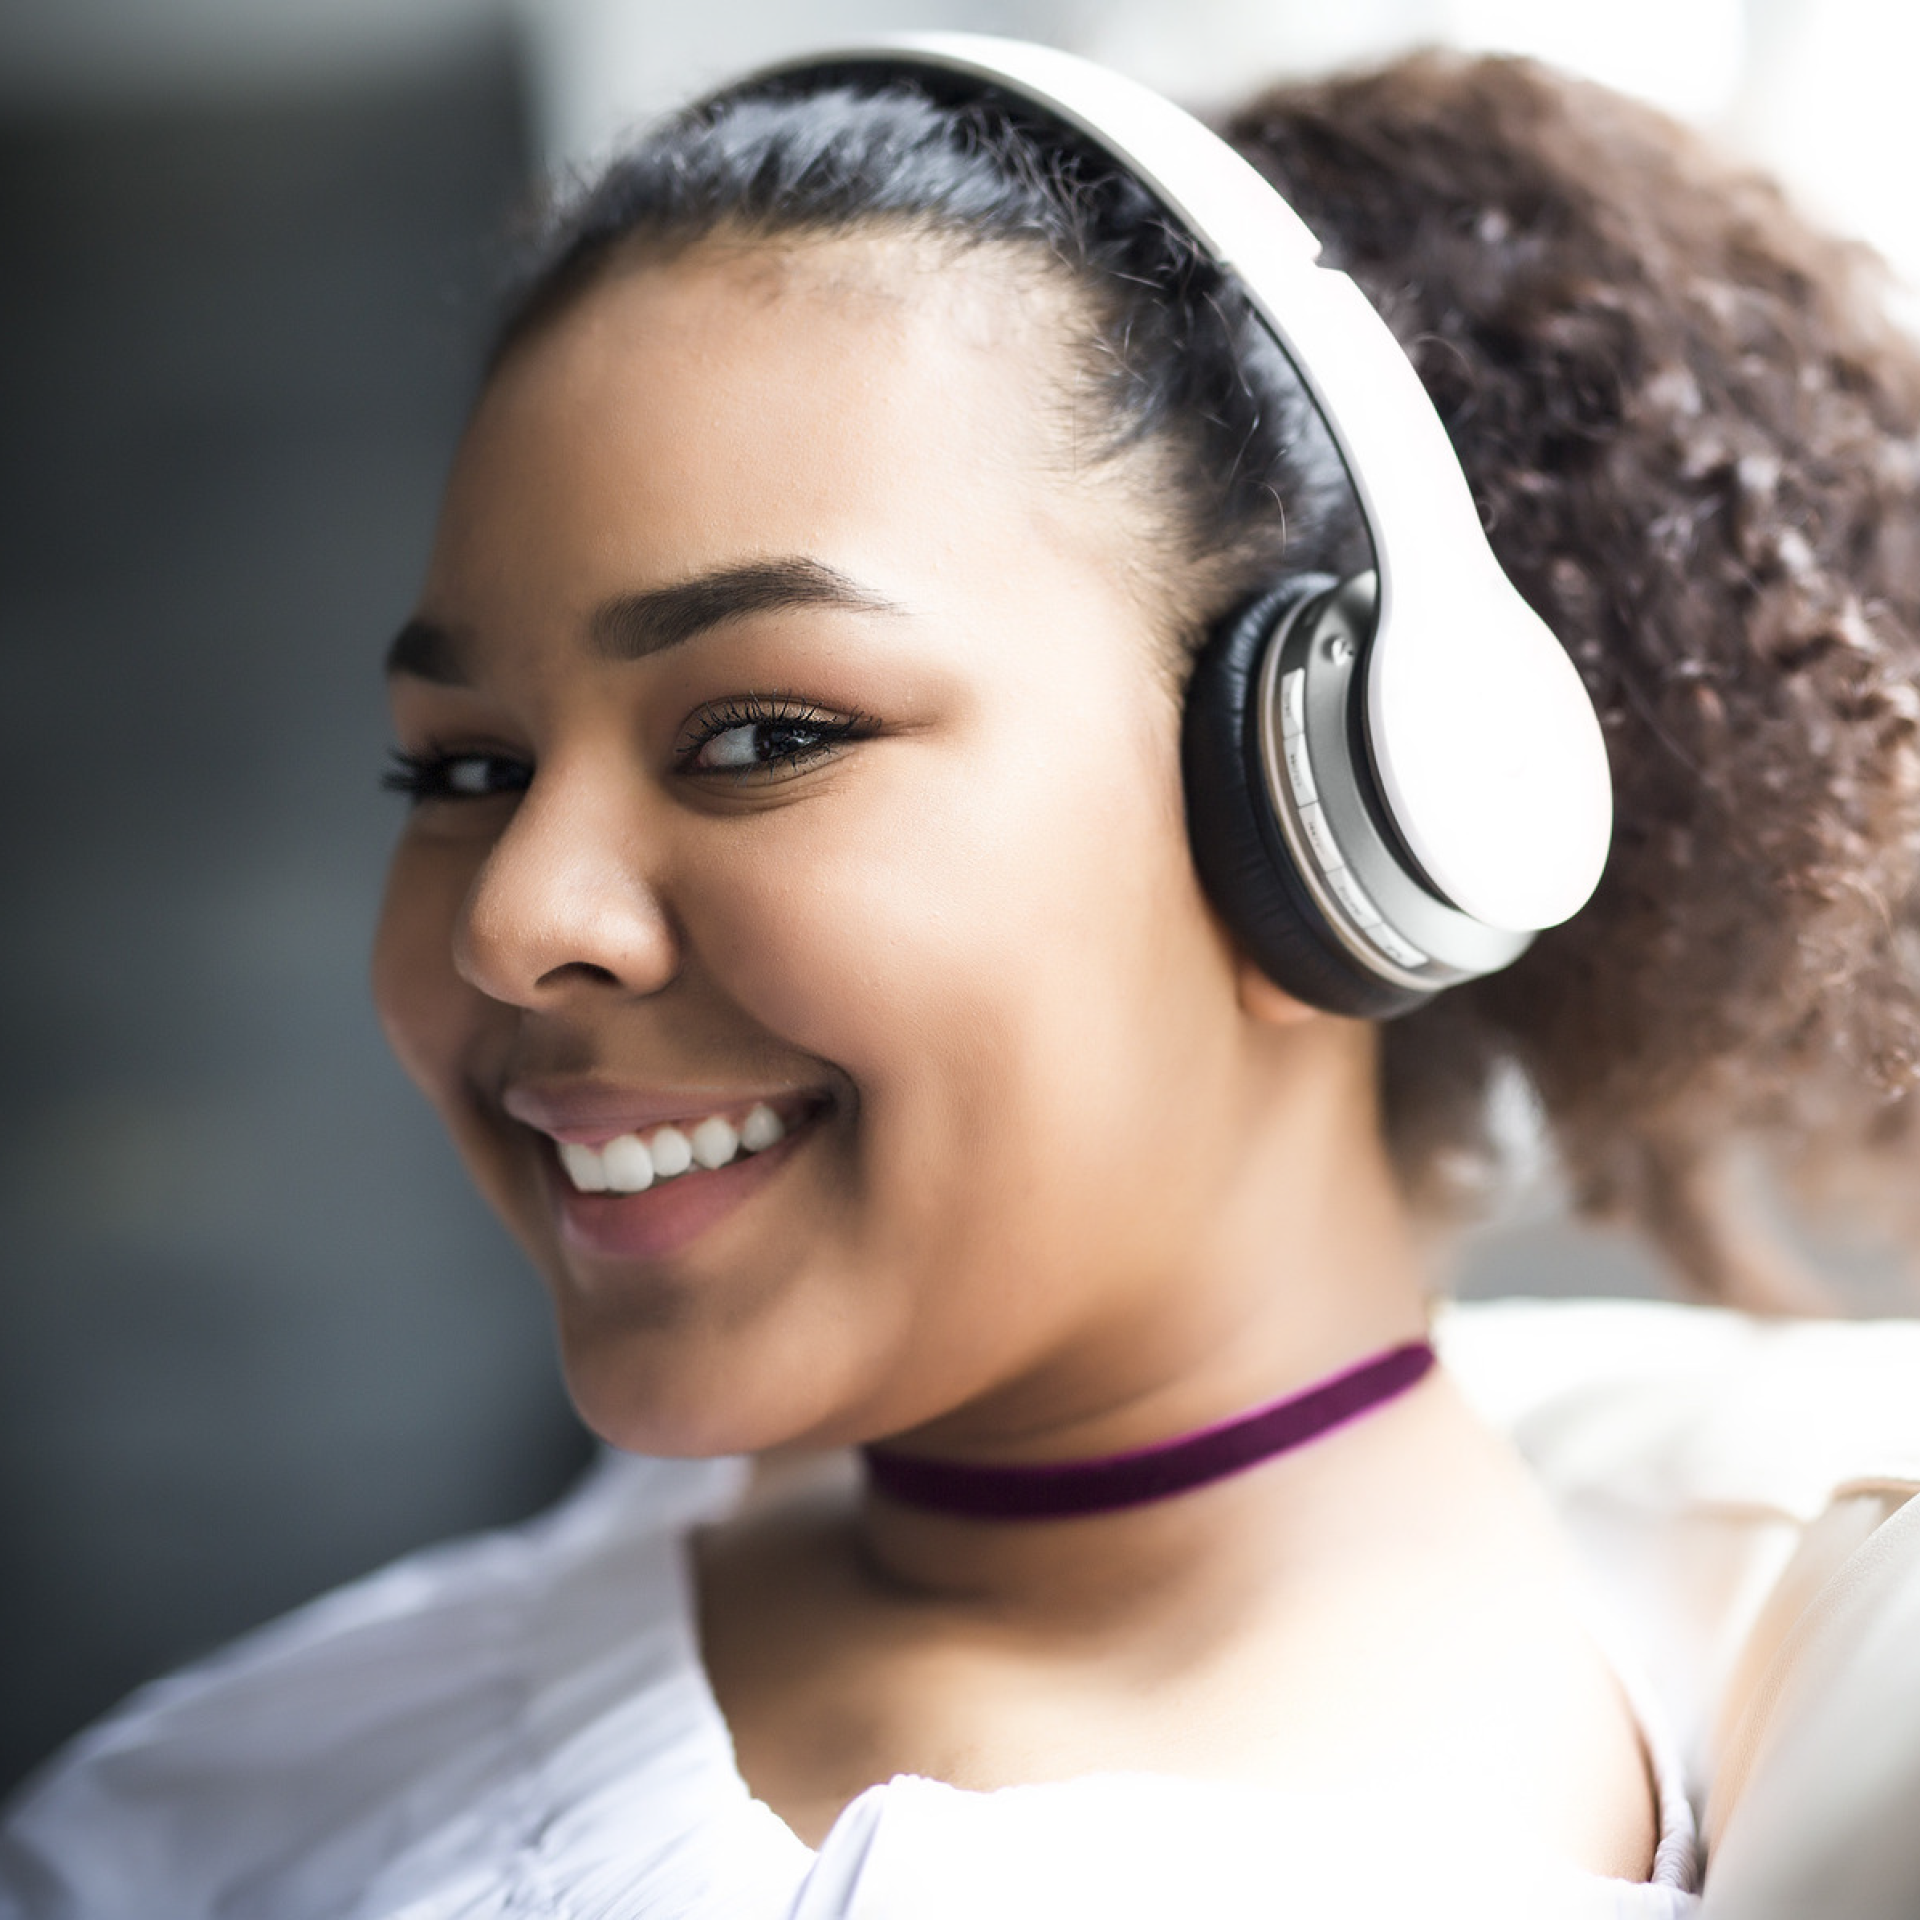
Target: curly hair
column 1694, row 436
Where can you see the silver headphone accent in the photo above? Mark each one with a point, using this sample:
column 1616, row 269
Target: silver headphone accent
column 1312, row 750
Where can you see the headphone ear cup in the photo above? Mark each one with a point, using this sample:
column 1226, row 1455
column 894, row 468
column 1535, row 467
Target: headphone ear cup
column 1238, row 849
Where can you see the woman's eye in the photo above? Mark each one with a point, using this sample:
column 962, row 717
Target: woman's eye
column 455, row 776
column 758, row 745
column 766, row 739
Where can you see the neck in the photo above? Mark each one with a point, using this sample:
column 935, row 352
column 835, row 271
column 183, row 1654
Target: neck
column 1257, row 1315
column 1230, row 1538
column 1076, row 1489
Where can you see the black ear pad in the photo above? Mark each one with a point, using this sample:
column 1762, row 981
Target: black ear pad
column 1237, row 845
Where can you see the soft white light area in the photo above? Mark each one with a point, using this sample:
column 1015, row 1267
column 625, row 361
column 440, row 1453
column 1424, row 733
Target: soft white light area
column 1684, row 55
column 1830, row 107
column 602, row 68
column 1215, row 52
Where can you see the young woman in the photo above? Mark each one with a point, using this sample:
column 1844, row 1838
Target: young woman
column 798, row 929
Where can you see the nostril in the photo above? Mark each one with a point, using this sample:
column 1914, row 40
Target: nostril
column 578, row 973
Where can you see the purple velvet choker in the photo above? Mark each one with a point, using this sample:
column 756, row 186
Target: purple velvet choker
column 1058, row 1490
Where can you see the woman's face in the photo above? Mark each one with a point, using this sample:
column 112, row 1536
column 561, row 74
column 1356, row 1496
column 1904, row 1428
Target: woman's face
column 795, row 734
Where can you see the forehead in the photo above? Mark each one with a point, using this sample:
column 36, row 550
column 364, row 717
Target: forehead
column 765, row 397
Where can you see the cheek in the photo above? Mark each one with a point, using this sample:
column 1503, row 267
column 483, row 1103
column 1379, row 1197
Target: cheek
column 1009, row 957
column 1006, row 950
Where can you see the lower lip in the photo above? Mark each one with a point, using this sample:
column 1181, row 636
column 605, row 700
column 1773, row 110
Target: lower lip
column 669, row 1215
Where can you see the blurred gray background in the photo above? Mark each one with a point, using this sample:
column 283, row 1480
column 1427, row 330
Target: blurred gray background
column 255, row 1335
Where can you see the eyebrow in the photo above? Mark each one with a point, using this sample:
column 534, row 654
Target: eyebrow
column 429, row 653
column 637, row 624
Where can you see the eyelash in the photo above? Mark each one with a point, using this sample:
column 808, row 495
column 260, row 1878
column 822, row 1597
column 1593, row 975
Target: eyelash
column 430, row 775
column 771, row 711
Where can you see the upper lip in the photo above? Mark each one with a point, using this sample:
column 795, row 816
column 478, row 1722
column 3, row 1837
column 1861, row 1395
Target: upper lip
column 592, row 1112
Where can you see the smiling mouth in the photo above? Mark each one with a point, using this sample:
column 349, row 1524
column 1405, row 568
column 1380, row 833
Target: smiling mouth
column 635, row 1162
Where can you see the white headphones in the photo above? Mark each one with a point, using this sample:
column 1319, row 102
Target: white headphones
column 1409, row 758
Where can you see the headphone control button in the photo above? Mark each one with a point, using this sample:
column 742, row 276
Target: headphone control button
column 1395, row 948
column 1313, row 822
column 1293, row 703
column 1352, row 896
column 1299, row 769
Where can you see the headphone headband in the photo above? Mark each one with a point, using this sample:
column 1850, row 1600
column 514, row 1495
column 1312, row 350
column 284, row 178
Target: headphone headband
column 1485, row 746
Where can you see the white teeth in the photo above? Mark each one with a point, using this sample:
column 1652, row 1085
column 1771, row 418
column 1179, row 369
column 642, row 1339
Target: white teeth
column 585, row 1168
column 628, row 1163
column 672, row 1152
column 714, row 1142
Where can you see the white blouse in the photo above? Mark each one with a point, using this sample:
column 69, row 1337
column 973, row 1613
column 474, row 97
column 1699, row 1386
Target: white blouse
column 519, row 1725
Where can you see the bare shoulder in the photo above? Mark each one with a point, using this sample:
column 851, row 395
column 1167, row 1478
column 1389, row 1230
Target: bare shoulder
column 1442, row 1654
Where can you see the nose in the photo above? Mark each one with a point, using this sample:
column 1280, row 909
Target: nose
column 565, row 901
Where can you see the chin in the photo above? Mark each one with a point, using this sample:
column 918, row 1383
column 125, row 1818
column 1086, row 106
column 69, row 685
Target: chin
column 670, row 1384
